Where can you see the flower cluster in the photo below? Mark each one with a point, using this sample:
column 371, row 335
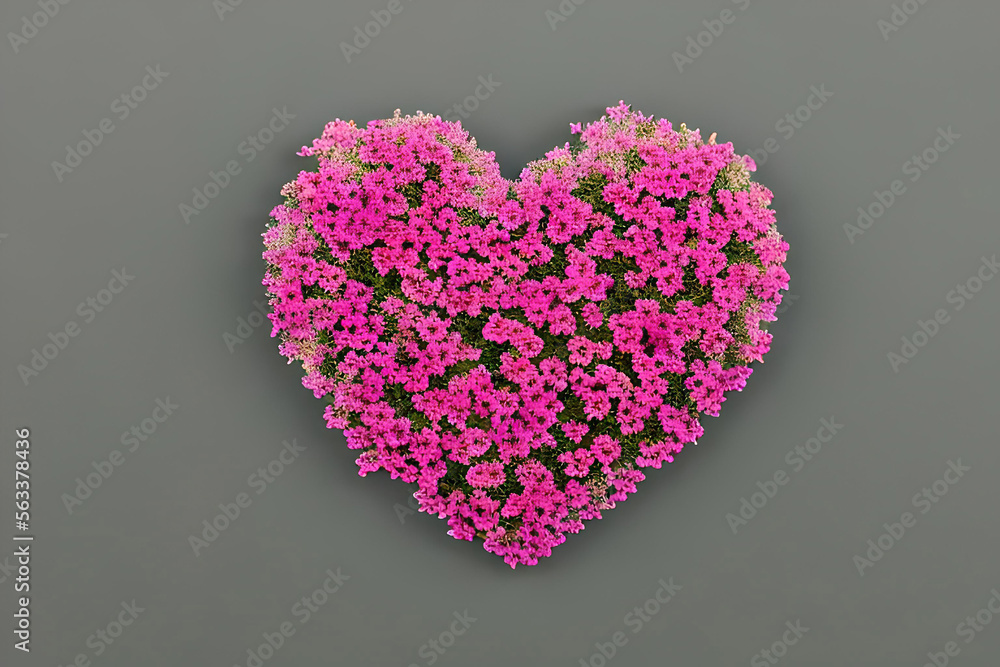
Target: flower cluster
column 521, row 351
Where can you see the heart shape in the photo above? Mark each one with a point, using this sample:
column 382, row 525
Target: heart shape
column 522, row 350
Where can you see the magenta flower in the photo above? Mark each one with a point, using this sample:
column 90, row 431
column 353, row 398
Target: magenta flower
column 486, row 475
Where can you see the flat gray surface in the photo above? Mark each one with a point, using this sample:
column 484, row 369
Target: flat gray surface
column 162, row 337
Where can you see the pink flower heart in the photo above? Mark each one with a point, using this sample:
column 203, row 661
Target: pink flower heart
column 522, row 351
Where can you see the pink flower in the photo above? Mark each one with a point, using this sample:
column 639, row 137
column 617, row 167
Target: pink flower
column 592, row 315
column 486, row 475
column 575, row 431
column 577, row 462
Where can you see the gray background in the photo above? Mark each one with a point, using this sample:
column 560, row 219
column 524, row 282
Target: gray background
column 162, row 336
